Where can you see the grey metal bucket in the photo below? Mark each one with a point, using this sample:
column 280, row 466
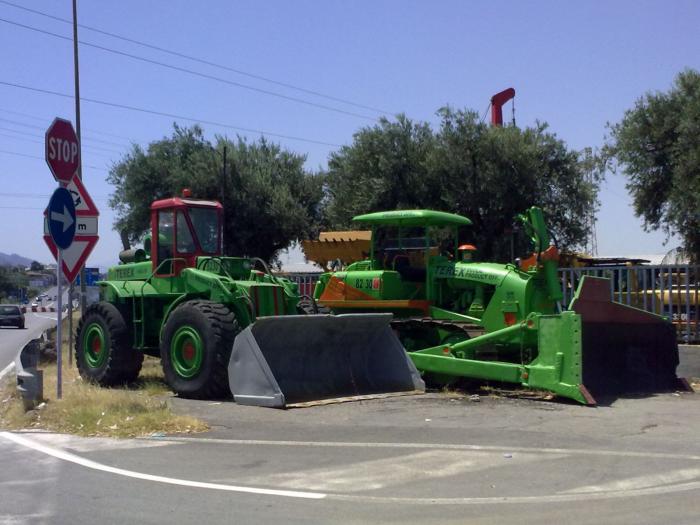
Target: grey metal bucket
column 278, row 361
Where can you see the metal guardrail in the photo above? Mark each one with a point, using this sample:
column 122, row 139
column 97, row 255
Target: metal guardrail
column 306, row 281
column 669, row 290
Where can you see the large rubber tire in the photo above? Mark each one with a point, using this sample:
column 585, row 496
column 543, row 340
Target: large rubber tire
column 196, row 347
column 103, row 350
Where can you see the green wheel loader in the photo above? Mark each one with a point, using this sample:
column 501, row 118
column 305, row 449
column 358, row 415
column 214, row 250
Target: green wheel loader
column 227, row 325
column 459, row 318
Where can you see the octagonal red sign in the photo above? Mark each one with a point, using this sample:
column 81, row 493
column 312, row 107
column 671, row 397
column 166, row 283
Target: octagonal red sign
column 62, row 150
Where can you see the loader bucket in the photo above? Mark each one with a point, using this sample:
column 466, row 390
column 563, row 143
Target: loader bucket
column 286, row 360
column 624, row 350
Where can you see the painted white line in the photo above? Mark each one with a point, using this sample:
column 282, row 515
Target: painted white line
column 641, row 482
column 72, row 458
column 49, row 317
column 431, row 446
column 632, row 488
column 552, row 498
column 9, row 368
column 80, row 445
column 386, row 472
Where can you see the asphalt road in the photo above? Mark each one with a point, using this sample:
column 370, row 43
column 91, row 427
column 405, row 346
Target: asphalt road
column 428, row 458
column 434, row 458
column 12, row 339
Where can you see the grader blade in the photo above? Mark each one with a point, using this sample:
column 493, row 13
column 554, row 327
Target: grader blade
column 287, row 360
column 625, row 350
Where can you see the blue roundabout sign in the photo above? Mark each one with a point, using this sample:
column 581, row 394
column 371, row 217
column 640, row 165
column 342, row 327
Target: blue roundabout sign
column 61, row 218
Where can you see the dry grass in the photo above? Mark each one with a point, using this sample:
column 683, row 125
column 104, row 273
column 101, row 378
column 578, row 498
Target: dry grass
column 87, row 410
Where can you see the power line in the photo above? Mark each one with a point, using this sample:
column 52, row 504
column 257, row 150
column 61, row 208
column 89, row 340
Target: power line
column 42, row 158
column 44, row 196
column 169, row 115
column 98, row 148
column 43, row 143
column 44, row 119
column 202, row 61
column 488, row 106
column 17, row 123
column 191, row 72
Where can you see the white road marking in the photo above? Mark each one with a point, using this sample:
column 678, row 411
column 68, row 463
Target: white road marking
column 431, row 446
column 72, row 458
column 381, row 473
column 78, row 444
column 49, row 317
column 9, row 368
column 634, row 488
column 22, row 519
column 552, row 498
column 640, row 482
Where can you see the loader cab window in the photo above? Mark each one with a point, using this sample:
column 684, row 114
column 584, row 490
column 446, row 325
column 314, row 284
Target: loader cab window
column 207, row 229
column 166, row 239
column 185, row 242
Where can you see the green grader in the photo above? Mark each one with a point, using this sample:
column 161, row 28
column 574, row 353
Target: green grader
column 459, row 318
column 227, row 325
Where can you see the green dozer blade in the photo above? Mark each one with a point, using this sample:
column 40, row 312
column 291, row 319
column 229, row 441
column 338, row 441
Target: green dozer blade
column 625, row 350
column 285, row 360
column 596, row 351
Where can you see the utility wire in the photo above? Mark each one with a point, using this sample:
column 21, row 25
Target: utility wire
column 42, row 136
column 44, row 196
column 42, row 142
column 488, row 106
column 202, row 61
column 20, row 208
column 191, row 72
column 44, row 119
column 169, row 115
column 42, row 158
column 43, row 128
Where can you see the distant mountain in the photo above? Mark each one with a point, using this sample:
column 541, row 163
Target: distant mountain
column 14, row 260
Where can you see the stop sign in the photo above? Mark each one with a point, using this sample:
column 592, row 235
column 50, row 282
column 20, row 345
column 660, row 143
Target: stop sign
column 62, row 150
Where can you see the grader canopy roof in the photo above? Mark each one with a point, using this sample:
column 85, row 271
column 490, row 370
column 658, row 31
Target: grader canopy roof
column 413, row 218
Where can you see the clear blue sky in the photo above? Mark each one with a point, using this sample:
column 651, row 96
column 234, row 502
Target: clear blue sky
column 575, row 65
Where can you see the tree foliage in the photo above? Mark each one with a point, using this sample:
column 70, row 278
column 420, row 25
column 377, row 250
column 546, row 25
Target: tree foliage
column 488, row 174
column 12, row 279
column 270, row 200
column 657, row 145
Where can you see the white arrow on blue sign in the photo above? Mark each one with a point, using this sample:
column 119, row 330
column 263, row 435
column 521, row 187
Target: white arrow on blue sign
column 61, row 218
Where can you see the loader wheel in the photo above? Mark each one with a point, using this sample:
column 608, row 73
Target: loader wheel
column 103, row 349
column 196, row 347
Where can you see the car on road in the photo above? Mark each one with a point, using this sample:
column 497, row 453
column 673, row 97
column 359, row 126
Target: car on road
column 11, row 315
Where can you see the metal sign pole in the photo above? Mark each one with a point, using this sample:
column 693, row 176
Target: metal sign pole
column 76, row 69
column 59, row 335
column 70, row 325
